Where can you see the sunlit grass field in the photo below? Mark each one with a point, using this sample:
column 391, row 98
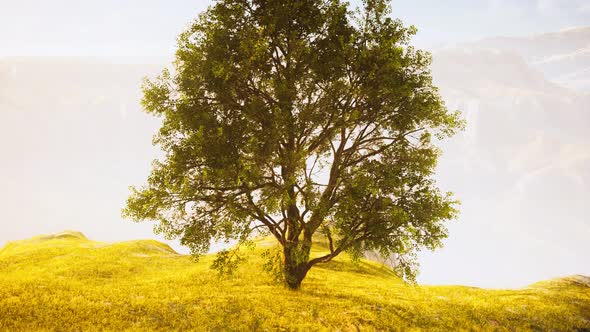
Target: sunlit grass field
column 66, row 282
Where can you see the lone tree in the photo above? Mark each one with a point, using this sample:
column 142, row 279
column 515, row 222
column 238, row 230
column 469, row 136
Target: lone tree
column 298, row 117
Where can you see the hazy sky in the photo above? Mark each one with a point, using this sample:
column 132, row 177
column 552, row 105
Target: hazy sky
column 72, row 136
column 149, row 27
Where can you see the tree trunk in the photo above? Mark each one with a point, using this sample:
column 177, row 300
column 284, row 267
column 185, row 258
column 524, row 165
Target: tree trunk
column 295, row 275
column 295, row 265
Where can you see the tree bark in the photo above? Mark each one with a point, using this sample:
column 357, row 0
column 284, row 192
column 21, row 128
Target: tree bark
column 294, row 275
column 296, row 263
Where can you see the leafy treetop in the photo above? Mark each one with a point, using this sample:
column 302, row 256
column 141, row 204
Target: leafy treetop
column 295, row 118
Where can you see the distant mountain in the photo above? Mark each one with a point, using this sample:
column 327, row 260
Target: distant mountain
column 563, row 56
column 522, row 167
column 72, row 137
column 66, row 84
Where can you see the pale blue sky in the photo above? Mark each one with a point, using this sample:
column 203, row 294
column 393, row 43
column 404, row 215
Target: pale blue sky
column 149, row 27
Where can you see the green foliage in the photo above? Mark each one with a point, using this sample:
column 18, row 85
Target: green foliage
column 227, row 262
column 298, row 116
column 69, row 283
column 273, row 263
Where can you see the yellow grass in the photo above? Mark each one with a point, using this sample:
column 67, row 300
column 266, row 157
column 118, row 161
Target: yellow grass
column 66, row 282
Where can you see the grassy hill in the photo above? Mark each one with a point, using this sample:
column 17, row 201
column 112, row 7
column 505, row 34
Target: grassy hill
column 67, row 282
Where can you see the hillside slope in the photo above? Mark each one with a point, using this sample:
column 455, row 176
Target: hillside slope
column 67, row 282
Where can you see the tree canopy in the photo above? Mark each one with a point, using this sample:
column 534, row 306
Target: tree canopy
column 295, row 118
